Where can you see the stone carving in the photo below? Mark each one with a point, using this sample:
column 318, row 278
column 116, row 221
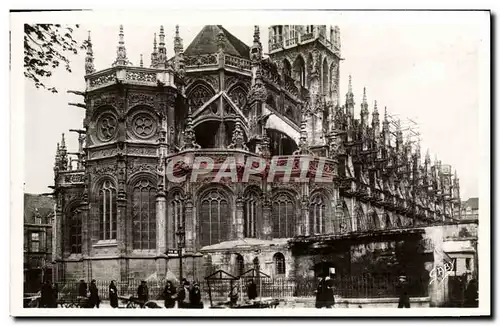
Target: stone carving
column 211, row 80
column 237, row 62
column 146, row 77
column 136, row 166
column 140, row 98
column 146, row 151
column 239, row 96
column 103, row 153
column 200, row 60
column 108, row 78
column 74, row 178
column 103, row 169
column 107, row 127
column 199, row 95
column 144, row 125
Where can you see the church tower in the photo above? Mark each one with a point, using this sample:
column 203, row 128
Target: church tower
column 310, row 54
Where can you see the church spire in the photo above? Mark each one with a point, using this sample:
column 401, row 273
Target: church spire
column 178, row 46
column 89, row 58
column 349, row 103
column 364, row 109
column 238, row 140
column 121, row 52
column 162, row 50
column 57, row 160
column 256, row 49
column 154, row 54
column 141, row 63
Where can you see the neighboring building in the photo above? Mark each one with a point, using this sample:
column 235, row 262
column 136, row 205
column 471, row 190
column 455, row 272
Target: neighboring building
column 118, row 215
column 470, row 209
column 38, row 217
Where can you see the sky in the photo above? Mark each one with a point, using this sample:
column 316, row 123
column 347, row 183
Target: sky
column 428, row 72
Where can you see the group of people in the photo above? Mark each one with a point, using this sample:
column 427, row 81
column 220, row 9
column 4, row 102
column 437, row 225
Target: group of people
column 91, row 293
column 186, row 296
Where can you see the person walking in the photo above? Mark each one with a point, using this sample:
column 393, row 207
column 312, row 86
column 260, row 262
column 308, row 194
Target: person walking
column 195, row 296
column 183, row 295
column 113, row 295
column 403, row 289
column 143, row 293
column 471, row 295
column 320, row 294
column 46, row 295
column 252, row 290
column 328, row 296
column 94, row 300
column 169, row 295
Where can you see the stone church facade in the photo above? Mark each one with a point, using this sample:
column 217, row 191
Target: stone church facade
column 117, row 213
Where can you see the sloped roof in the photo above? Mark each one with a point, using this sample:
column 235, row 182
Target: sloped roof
column 473, row 203
column 245, row 243
column 37, row 204
column 206, row 42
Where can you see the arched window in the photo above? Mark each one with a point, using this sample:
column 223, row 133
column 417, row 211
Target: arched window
column 107, row 211
column 240, row 264
column 374, row 222
column 283, row 217
column 214, row 218
column 178, row 214
column 360, row 219
column 198, row 95
column 299, row 70
column 75, row 231
column 250, row 215
column 317, row 214
column 279, row 264
column 144, row 215
column 342, row 223
column 326, row 84
column 287, row 68
column 388, row 223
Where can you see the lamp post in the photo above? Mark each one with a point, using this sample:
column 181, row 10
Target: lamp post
column 180, row 244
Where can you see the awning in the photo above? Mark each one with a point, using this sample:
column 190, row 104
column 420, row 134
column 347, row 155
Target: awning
column 274, row 122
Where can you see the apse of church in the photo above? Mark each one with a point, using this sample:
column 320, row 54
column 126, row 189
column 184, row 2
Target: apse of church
column 221, row 98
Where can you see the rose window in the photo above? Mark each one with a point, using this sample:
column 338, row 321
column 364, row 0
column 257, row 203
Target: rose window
column 144, row 126
column 107, row 127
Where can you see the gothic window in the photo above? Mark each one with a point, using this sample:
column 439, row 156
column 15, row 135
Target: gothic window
column 178, row 214
column 317, row 214
column 35, row 242
column 387, row 221
column 214, row 218
column 279, row 264
column 360, row 219
column 325, row 78
column 299, row 70
column 144, row 125
column 75, row 231
column 283, row 216
column 293, row 32
column 239, row 97
column 144, row 215
column 107, row 211
column 199, row 95
column 250, row 215
column 374, row 222
column 240, row 264
column 287, row 68
column 107, row 127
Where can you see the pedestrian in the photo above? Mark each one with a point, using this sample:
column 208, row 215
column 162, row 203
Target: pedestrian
column 46, row 295
column 55, row 296
column 403, row 289
column 252, row 290
column 328, row 297
column 195, row 296
column 471, row 295
column 94, row 300
column 320, row 294
column 113, row 295
column 169, row 295
column 233, row 295
column 82, row 289
column 183, row 295
column 143, row 293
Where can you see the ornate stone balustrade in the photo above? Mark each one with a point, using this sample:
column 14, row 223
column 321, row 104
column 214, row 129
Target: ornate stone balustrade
column 201, row 60
column 237, row 62
column 71, row 177
column 130, row 75
column 289, row 85
column 307, row 37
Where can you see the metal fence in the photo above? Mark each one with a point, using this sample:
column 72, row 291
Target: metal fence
column 365, row 286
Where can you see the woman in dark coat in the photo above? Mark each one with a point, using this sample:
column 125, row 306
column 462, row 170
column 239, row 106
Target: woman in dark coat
column 403, row 289
column 94, row 295
column 113, row 295
column 252, row 290
column 320, row 294
column 169, row 295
